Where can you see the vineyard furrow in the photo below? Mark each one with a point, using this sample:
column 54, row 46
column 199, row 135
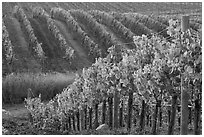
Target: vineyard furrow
column 97, row 30
column 36, row 47
column 86, row 41
column 116, row 26
column 7, row 47
column 20, row 47
column 63, row 29
column 131, row 23
column 90, row 34
column 52, row 50
column 68, row 51
column 150, row 23
column 43, row 35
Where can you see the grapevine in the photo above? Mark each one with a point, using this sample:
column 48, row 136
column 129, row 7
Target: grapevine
column 69, row 51
column 37, row 47
column 86, row 40
column 109, row 20
column 150, row 73
column 149, row 22
column 7, row 45
column 135, row 26
column 99, row 32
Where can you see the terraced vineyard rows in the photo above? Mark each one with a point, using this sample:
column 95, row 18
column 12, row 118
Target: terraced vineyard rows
column 133, row 68
column 91, row 30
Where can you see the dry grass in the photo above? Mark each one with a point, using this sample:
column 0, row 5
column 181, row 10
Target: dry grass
column 15, row 86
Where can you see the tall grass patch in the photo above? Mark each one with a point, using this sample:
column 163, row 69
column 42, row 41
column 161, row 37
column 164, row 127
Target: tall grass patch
column 15, row 86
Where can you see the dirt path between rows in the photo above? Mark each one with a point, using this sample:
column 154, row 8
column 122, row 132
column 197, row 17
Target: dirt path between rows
column 20, row 44
column 68, row 37
column 83, row 58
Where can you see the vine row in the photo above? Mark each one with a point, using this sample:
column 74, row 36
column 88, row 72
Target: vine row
column 37, row 47
column 135, row 26
column 69, row 51
column 109, row 20
column 97, row 30
column 7, row 45
column 149, row 22
column 64, row 15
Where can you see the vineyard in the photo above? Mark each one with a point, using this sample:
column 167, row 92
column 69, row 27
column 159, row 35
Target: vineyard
column 138, row 67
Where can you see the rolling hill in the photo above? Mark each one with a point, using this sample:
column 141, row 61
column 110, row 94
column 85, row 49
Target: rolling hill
column 86, row 29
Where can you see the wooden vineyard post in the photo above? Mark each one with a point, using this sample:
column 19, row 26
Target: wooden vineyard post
column 184, row 93
column 184, row 111
column 169, row 115
column 160, row 116
column 147, row 121
column 154, row 127
column 173, row 114
column 66, row 124
column 116, row 106
column 196, row 117
column 142, row 116
column 96, row 124
column 82, row 119
column 90, row 118
column 110, row 105
column 179, row 116
column 150, row 120
column 190, row 115
column 78, row 120
column 121, row 114
column 130, row 102
column 85, row 116
column 104, row 111
column 147, row 115
column 73, row 122
column 134, row 121
column 69, row 123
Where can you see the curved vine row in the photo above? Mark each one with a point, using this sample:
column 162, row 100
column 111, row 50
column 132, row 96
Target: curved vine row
column 135, row 26
column 86, row 40
column 69, row 51
column 109, row 20
column 7, row 45
column 98, row 31
column 37, row 47
column 149, row 22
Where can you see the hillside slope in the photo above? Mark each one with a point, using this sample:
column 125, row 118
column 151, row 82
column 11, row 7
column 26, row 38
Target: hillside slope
column 111, row 32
